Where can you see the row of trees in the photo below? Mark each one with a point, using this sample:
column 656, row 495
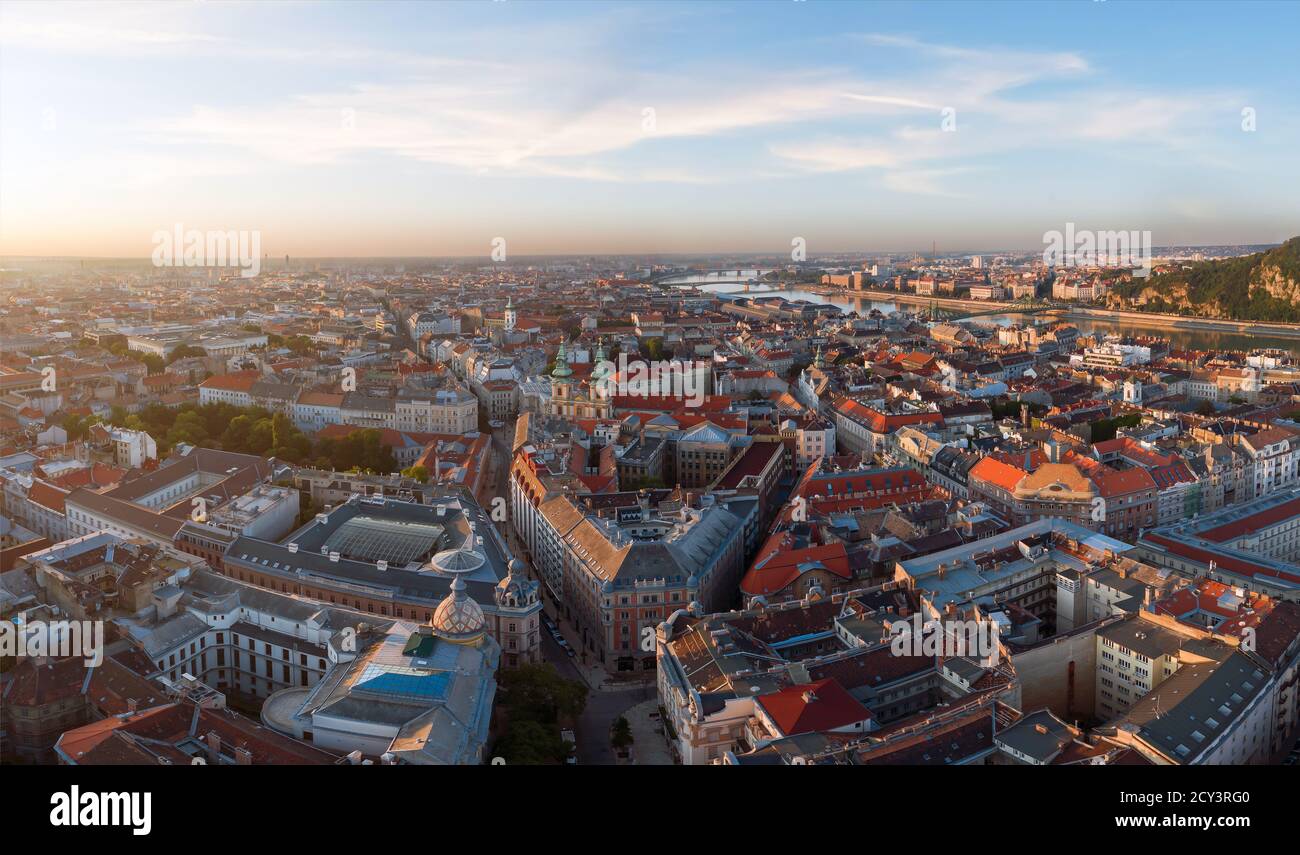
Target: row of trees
column 1003, row 408
column 1104, row 430
column 250, row 430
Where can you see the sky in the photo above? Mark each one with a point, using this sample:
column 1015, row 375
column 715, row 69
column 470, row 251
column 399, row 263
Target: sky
column 430, row 129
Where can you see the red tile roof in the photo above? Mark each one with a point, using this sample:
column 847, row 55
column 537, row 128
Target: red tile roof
column 995, row 472
column 1122, row 483
column 778, row 566
column 812, row 708
column 237, row 381
column 47, row 495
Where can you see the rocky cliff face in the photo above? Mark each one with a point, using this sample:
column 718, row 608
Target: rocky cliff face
column 1270, row 279
column 1172, row 299
column 1264, row 286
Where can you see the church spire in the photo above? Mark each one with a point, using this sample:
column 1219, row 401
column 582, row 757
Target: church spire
column 562, row 369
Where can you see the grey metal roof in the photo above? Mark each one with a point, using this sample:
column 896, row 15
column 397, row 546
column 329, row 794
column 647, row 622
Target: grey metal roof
column 1185, row 714
column 1039, row 735
column 462, row 522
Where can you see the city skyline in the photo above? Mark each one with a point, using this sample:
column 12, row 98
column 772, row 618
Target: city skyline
column 431, row 130
column 865, row 384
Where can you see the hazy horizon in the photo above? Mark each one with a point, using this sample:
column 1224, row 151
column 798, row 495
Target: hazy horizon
column 703, row 254
column 426, row 131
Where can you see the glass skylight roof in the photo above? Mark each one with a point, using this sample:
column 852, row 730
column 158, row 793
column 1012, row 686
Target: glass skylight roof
column 365, row 538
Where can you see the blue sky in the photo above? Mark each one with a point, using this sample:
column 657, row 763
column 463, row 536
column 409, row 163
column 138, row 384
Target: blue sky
column 430, row 129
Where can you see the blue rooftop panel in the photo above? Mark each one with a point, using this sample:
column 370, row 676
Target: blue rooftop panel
column 432, row 685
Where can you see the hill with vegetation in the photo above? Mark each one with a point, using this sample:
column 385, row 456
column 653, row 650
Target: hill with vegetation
column 1260, row 287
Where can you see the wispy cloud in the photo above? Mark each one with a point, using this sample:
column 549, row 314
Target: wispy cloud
column 969, row 104
column 527, row 112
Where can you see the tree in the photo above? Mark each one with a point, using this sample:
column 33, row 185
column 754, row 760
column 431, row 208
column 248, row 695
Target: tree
column 534, row 699
column 419, row 473
column 185, row 351
column 235, row 437
column 1205, row 408
column 282, row 430
column 538, row 692
column 188, row 427
column 622, row 733
column 1106, row 429
column 78, row 427
column 530, row 743
column 300, row 345
column 261, row 437
column 362, row 450
column 296, row 448
column 375, row 456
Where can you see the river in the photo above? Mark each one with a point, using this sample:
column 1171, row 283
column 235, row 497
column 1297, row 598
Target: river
column 1179, row 339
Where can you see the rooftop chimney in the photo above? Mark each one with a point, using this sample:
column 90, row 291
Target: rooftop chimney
column 214, row 747
column 243, row 757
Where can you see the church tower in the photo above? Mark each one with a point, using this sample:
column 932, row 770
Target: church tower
column 511, row 316
column 561, row 383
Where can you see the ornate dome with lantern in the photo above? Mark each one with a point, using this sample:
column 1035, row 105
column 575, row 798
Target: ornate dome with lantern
column 458, row 618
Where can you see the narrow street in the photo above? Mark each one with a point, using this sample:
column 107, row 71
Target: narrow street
column 604, row 706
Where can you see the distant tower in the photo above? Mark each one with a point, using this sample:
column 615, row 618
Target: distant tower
column 601, row 374
column 1133, row 391
column 511, row 316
